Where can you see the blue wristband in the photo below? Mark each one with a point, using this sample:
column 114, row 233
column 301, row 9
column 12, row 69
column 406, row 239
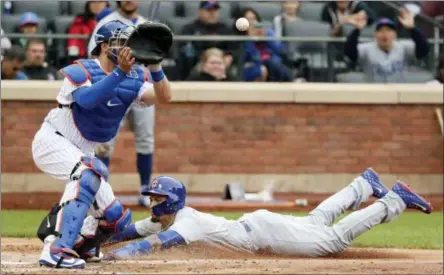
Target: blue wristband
column 119, row 72
column 157, row 76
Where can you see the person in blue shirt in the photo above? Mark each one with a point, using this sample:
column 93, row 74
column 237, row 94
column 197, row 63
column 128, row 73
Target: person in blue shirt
column 263, row 61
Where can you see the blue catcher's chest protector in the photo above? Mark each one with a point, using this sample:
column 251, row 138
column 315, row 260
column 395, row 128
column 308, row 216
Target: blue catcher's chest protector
column 101, row 123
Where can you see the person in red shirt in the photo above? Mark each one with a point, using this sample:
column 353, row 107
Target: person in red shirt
column 83, row 24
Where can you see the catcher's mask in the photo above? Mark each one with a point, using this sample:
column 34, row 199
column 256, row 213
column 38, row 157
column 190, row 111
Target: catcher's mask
column 109, row 31
column 119, row 40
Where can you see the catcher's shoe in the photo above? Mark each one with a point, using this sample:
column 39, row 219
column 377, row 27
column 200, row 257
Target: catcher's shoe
column 91, row 257
column 372, row 178
column 60, row 258
column 411, row 199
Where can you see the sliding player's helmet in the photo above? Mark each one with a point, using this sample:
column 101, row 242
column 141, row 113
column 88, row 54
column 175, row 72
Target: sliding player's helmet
column 167, row 195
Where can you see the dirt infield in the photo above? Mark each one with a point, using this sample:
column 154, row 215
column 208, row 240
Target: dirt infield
column 20, row 256
column 28, row 201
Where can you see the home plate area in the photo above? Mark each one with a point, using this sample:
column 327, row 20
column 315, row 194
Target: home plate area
column 20, row 256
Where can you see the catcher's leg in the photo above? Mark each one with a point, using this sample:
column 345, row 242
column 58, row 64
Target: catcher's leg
column 79, row 195
column 58, row 157
column 358, row 191
column 142, row 121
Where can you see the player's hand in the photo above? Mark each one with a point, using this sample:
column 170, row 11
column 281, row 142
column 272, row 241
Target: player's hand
column 125, row 59
column 407, row 19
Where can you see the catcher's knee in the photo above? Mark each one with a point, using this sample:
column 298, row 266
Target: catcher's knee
column 117, row 219
column 105, row 150
column 89, row 173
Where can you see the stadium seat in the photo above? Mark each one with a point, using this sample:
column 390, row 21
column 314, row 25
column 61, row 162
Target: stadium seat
column 76, row 7
column 311, row 11
column 10, row 24
column 62, row 23
column 176, row 24
column 164, row 12
column 315, row 52
column 191, row 9
column 418, row 76
column 351, row 77
column 46, row 9
column 307, row 29
column 368, row 32
column 267, row 11
column 412, row 77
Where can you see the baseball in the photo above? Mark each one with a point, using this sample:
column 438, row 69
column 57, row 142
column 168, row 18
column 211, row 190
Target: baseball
column 242, row 24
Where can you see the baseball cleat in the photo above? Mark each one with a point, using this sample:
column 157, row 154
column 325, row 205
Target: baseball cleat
column 372, row 178
column 91, row 257
column 411, row 199
column 59, row 258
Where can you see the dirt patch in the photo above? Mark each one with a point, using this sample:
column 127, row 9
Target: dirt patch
column 26, row 201
column 20, row 256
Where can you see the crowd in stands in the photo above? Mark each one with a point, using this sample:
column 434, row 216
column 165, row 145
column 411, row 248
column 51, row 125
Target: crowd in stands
column 383, row 60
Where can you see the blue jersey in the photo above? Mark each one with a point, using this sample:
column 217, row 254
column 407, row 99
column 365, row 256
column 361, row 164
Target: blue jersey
column 101, row 123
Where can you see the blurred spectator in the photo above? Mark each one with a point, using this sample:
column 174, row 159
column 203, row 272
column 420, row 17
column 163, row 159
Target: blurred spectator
column 12, row 63
column 208, row 23
column 263, row 61
column 28, row 24
column 439, row 78
column 35, row 66
column 5, row 43
column 386, row 59
column 127, row 13
column 212, row 67
column 83, row 24
column 289, row 13
column 337, row 13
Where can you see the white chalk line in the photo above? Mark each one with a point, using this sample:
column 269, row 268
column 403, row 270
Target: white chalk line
column 207, row 261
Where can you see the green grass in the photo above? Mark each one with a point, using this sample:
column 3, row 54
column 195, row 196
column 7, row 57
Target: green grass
column 410, row 230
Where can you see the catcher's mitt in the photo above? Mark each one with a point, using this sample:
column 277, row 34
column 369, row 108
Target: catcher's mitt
column 150, row 42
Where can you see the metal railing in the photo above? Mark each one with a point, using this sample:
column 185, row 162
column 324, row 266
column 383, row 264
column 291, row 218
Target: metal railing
column 329, row 41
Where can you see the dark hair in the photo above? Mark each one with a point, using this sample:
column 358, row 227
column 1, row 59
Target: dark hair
column 15, row 52
column 87, row 14
column 242, row 14
column 35, row 41
column 244, row 11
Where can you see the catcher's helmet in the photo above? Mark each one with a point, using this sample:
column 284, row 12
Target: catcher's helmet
column 107, row 32
column 174, row 192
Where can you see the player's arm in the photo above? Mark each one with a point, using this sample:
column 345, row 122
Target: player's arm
column 151, row 244
column 90, row 96
column 137, row 230
column 161, row 92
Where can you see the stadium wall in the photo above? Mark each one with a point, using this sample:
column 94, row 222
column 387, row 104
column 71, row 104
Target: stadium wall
column 303, row 137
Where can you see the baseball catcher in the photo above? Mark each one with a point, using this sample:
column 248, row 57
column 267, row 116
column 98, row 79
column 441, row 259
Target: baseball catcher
column 92, row 101
column 315, row 235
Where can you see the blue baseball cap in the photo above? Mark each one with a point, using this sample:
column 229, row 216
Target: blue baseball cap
column 385, row 22
column 28, row 18
column 209, row 5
